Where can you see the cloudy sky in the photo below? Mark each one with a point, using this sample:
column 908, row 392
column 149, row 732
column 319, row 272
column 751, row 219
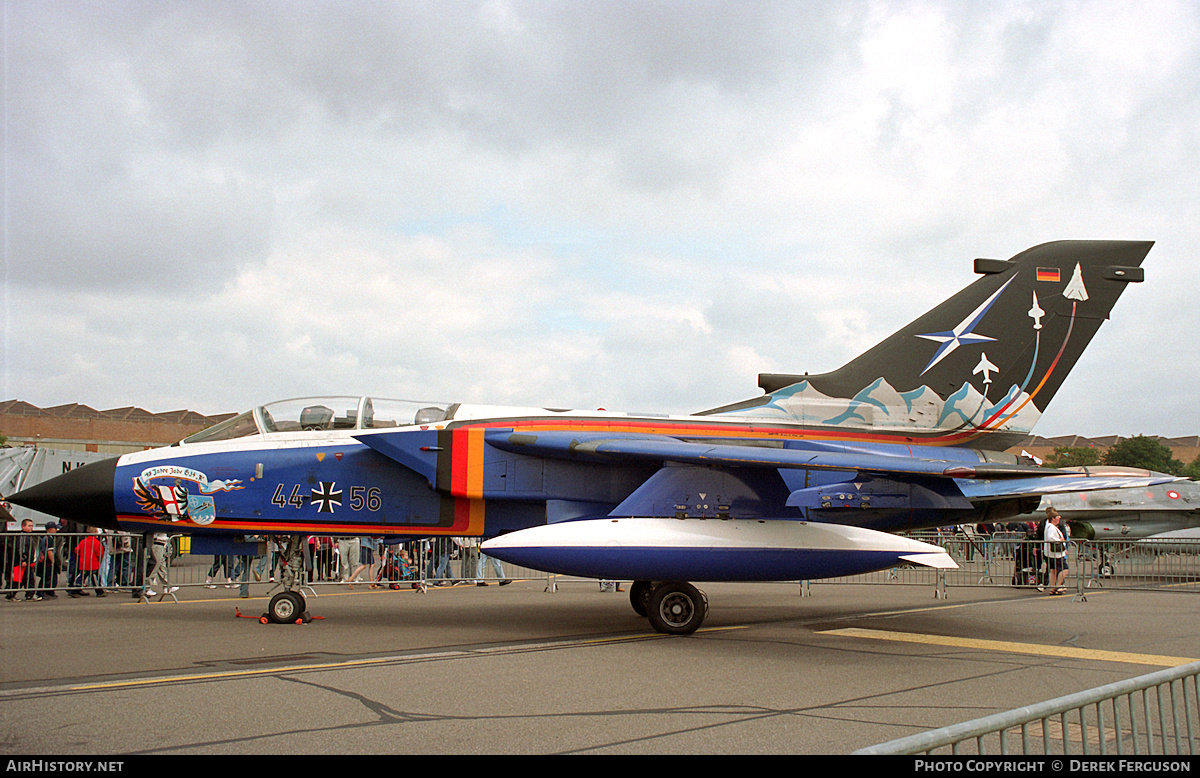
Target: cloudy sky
column 631, row 205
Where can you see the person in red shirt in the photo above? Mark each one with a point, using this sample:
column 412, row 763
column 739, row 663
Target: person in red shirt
column 90, row 552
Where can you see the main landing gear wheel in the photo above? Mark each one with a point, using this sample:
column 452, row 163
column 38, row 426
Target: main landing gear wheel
column 677, row 608
column 639, row 597
column 286, row 607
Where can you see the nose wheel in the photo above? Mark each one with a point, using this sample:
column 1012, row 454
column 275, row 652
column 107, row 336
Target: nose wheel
column 286, row 608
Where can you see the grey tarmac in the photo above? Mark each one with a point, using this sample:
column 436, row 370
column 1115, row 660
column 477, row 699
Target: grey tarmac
column 519, row 670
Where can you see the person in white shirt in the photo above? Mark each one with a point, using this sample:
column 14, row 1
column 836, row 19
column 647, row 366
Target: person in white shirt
column 1055, row 551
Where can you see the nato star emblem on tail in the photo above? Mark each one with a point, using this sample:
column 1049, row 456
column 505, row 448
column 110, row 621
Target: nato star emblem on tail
column 963, row 333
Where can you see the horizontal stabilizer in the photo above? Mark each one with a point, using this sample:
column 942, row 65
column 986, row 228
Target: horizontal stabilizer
column 982, row 490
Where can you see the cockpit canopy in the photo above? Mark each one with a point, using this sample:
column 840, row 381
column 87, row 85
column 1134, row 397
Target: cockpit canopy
column 309, row 414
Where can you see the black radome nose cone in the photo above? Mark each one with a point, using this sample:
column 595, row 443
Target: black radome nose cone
column 83, row 495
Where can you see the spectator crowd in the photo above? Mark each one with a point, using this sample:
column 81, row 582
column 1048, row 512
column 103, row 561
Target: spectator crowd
column 87, row 561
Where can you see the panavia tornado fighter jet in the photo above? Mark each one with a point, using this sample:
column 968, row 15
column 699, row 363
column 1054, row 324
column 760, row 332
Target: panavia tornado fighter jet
column 810, row 480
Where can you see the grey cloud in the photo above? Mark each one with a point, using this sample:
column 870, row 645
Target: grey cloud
column 647, row 154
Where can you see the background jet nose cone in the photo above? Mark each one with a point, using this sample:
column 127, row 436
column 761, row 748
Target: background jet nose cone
column 83, row 495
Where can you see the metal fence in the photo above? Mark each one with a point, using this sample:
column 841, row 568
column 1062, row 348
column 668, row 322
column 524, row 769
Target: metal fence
column 1012, row 560
column 1155, row 714
column 41, row 564
column 1000, row 560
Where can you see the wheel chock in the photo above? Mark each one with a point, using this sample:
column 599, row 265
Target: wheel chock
column 304, row 618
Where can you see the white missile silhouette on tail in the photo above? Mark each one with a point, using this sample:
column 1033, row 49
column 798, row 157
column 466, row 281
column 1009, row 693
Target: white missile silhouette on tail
column 1075, row 289
column 1036, row 313
column 985, row 367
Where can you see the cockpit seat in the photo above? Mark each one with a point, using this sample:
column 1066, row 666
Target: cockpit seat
column 316, row 417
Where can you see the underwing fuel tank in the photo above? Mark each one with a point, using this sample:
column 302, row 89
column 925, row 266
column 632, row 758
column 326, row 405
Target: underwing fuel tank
column 709, row 550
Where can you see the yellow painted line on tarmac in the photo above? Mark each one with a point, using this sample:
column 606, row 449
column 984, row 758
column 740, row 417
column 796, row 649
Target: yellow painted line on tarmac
column 1012, row 647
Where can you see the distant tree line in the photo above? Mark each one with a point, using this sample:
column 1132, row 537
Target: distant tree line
column 1139, row 451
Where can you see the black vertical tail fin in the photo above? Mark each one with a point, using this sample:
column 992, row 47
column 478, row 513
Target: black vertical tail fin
column 987, row 360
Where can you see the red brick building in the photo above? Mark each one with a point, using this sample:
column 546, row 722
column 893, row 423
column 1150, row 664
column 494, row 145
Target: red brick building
column 1185, row 449
column 77, row 427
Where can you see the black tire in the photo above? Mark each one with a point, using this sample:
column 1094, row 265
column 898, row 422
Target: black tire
column 677, row 608
column 285, row 607
column 639, row 597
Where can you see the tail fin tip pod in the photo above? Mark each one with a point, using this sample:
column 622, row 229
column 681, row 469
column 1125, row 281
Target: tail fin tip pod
column 986, row 361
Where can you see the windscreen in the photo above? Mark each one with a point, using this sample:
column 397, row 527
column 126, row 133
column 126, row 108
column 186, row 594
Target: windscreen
column 238, row 427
